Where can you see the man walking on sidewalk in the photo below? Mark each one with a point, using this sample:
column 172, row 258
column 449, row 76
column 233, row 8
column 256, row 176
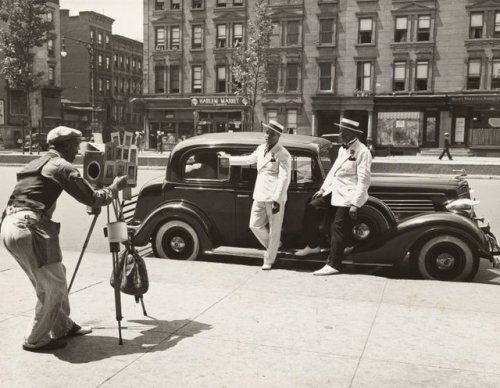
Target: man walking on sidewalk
column 446, row 148
column 343, row 192
column 32, row 238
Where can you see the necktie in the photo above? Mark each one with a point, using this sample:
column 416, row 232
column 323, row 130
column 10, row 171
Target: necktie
column 345, row 146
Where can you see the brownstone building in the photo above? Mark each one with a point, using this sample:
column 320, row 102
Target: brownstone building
column 408, row 70
column 45, row 102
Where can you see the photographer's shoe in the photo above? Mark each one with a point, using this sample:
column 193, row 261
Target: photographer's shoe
column 53, row 344
column 307, row 251
column 325, row 271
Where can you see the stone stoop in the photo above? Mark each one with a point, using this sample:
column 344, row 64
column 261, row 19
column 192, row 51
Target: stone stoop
column 453, row 152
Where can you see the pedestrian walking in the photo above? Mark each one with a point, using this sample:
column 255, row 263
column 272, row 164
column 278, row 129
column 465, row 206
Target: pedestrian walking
column 446, row 148
column 32, row 238
column 343, row 192
column 270, row 191
column 139, row 141
column 159, row 142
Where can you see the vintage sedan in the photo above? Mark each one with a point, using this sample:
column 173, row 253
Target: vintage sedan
column 203, row 203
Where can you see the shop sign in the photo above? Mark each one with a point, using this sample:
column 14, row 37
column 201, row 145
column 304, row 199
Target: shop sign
column 475, row 99
column 219, row 101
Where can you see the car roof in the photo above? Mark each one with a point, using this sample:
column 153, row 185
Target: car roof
column 251, row 139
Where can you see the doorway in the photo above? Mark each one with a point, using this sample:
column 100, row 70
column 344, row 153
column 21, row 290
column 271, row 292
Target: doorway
column 431, row 129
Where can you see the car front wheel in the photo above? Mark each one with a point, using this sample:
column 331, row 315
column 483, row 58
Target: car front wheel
column 176, row 240
column 445, row 257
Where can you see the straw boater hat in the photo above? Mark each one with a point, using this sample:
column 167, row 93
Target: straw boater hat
column 275, row 126
column 349, row 124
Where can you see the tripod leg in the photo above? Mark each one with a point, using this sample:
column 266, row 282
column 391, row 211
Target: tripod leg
column 118, row 302
column 83, row 251
column 143, row 307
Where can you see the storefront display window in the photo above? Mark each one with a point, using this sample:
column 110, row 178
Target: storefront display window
column 400, row 129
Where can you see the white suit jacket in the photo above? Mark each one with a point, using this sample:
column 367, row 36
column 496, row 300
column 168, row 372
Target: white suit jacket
column 273, row 172
column 349, row 178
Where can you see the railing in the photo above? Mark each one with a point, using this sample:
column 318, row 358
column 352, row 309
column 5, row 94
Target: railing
column 484, row 137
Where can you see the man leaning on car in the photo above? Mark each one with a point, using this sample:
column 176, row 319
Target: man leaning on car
column 270, row 191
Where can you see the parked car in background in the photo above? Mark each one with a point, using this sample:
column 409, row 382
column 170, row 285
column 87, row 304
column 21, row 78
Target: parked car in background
column 203, row 203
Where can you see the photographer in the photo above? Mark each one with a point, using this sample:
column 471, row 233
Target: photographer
column 32, row 237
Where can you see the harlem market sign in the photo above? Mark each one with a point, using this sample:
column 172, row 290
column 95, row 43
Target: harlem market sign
column 219, row 101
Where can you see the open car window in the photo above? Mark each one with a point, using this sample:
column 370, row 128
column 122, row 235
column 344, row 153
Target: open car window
column 204, row 165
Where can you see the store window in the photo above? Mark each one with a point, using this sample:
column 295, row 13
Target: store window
column 197, row 42
column 365, row 33
column 326, row 31
column 175, row 79
column 495, row 74
column 401, row 31
column 292, row 77
column 159, row 79
column 496, row 28
column 399, row 80
column 292, row 33
column 423, row 28
column 220, row 86
column 326, row 77
column 175, row 38
column 275, row 40
column 159, row 5
column 160, row 38
column 474, row 74
column 291, row 121
column 476, row 25
column 237, row 34
column 196, row 79
column 422, row 76
column 364, row 76
column 221, row 35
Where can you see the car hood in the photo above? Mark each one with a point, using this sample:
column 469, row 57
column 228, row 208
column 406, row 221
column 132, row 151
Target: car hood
column 418, row 182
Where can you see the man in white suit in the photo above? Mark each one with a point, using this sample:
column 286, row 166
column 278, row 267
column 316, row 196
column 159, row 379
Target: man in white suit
column 343, row 192
column 270, row 191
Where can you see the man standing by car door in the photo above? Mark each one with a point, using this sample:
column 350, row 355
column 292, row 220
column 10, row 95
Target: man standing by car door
column 270, row 191
column 343, row 192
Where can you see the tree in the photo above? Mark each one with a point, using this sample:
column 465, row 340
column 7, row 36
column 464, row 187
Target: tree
column 250, row 61
column 26, row 29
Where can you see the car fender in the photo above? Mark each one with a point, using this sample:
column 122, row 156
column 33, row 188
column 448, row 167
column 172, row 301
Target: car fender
column 181, row 210
column 392, row 246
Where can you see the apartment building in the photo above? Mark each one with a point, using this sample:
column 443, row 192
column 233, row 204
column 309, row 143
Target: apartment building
column 46, row 101
column 408, row 70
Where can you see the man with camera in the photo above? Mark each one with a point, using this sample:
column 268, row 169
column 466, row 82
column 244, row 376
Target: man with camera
column 32, row 237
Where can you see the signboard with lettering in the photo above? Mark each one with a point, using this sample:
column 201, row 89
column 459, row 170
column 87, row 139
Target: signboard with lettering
column 219, row 101
column 494, row 99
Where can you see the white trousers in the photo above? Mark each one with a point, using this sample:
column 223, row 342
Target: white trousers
column 51, row 316
column 266, row 226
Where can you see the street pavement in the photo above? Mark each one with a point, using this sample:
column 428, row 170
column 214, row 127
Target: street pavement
column 213, row 324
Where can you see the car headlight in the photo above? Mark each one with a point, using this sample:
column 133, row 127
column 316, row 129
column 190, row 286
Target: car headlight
column 464, row 206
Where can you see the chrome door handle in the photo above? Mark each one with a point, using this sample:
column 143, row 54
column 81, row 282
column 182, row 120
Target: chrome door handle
column 243, row 195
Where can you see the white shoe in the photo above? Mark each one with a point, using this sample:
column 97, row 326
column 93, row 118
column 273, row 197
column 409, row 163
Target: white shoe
column 266, row 266
column 307, row 251
column 326, row 270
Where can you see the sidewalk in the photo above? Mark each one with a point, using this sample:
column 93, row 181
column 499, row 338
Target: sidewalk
column 227, row 325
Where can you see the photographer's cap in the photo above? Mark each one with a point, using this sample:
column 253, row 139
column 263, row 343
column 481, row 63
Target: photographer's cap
column 62, row 133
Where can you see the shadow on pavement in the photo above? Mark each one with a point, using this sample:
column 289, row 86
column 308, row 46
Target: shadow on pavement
column 160, row 337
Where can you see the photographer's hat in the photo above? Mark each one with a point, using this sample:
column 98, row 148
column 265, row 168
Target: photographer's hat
column 62, row 133
column 275, row 126
column 349, row 124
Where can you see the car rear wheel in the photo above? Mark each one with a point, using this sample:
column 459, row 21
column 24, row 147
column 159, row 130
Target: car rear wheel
column 445, row 257
column 176, row 240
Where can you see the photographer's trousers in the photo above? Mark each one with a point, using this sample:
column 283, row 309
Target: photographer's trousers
column 51, row 316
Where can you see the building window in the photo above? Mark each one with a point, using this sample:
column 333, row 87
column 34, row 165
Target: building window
column 237, row 34
column 51, row 75
column 159, row 5
column 275, row 36
column 292, row 77
column 221, row 35
column 107, row 39
column 423, row 28
column 272, row 77
column 17, row 102
column 115, row 60
column 196, row 4
column 116, row 84
column 272, row 115
column 364, row 76
column 127, row 63
column 175, row 4
column 422, row 75
column 197, row 42
column 496, row 30
column 122, row 89
column 50, row 16
column 50, row 47
column 474, row 74
column 99, row 38
column 292, row 33
column 108, row 63
column 99, row 86
column 99, row 61
column 221, row 3
column 399, row 79
column 365, row 34
column 108, row 86
column 91, row 36
column 401, row 31
column 495, row 74
column 159, row 79
column 175, row 79
column 326, row 31
column 220, row 86
column 196, row 79
column 291, row 120
column 160, row 38
column 175, row 38
column 325, row 77
column 237, row 3
column 476, row 25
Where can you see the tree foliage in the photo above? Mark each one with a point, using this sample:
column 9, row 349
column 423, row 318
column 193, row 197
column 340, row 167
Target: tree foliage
column 250, row 61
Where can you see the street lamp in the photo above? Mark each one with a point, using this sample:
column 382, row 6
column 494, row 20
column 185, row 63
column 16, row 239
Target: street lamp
column 90, row 48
